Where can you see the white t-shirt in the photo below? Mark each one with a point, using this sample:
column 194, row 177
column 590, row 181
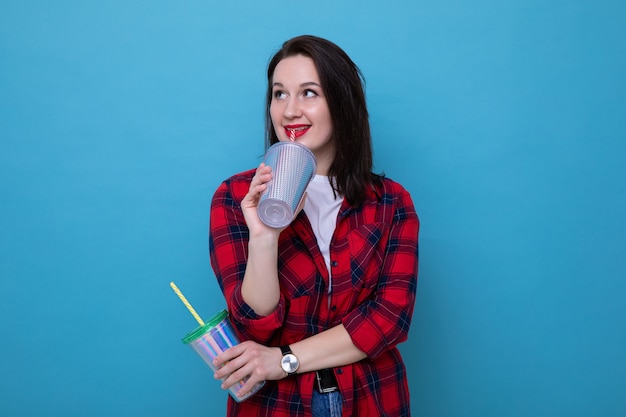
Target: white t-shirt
column 321, row 207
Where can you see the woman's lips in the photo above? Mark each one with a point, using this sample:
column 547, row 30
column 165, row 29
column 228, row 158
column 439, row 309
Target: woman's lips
column 295, row 131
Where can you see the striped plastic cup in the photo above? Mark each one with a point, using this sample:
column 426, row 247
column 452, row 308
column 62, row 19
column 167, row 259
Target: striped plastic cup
column 293, row 168
column 213, row 338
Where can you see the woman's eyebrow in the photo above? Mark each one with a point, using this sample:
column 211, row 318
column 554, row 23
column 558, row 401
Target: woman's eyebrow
column 305, row 84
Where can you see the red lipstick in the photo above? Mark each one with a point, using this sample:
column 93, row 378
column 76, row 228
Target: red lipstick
column 295, row 131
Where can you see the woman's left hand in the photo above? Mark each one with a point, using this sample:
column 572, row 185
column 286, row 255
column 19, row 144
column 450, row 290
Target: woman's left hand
column 248, row 359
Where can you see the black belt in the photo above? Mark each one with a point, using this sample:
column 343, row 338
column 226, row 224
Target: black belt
column 325, row 381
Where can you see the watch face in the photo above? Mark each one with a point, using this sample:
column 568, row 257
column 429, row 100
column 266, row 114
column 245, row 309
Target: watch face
column 289, row 363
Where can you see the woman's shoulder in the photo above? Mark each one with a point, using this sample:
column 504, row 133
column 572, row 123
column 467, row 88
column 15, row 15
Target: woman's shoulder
column 393, row 193
column 388, row 186
column 238, row 184
column 241, row 176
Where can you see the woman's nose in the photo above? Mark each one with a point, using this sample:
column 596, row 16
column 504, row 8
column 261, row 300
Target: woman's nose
column 293, row 108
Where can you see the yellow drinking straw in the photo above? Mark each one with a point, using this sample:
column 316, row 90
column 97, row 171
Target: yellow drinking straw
column 186, row 303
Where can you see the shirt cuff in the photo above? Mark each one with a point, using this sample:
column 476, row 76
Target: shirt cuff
column 252, row 325
column 365, row 334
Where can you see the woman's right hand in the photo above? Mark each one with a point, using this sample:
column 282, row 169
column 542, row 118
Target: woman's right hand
column 250, row 202
column 248, row 360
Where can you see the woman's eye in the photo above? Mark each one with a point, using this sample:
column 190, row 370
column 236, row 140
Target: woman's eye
column 310, row 93
column 279, row 94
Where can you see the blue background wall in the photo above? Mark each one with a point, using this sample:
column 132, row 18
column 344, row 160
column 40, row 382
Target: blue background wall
column 505, row 120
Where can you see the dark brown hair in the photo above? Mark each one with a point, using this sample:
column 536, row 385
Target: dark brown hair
column 343, row 85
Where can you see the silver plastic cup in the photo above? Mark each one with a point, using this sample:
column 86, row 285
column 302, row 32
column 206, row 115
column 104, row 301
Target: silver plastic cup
column 293, row 168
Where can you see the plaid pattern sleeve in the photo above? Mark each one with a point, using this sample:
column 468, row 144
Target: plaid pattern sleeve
column 373, row 257
column 383, row 321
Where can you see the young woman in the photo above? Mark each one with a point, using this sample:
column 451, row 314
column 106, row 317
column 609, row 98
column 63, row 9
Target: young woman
column 322, row 303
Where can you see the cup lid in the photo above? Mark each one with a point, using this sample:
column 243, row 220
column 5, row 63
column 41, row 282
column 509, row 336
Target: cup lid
column 199, row 331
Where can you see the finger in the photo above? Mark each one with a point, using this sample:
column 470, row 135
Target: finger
column 258, row 184
column 229, row 367
column 261, row 178
column 262, row 171
column 232, row 359
column 244, row 377
column 228, row 355
column 263, row 168
column 246, row 387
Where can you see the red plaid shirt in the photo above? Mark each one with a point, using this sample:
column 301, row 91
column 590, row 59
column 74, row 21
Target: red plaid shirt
column 373, row 257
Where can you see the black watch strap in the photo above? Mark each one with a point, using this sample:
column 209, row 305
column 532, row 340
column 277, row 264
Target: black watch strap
column 285, row 349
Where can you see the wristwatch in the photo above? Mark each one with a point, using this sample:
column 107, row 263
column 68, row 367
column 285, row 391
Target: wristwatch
column 289, row 361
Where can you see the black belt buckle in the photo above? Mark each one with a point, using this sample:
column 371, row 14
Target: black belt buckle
column 325, row 381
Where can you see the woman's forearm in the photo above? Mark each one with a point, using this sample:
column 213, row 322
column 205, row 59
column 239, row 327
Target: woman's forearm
column 260, row 288
column 329, row 349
